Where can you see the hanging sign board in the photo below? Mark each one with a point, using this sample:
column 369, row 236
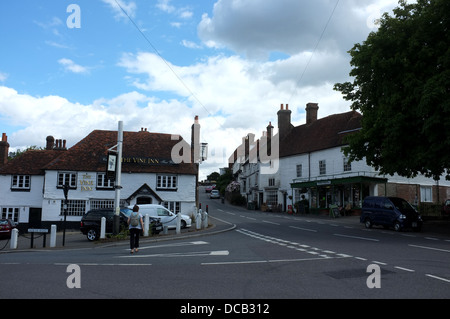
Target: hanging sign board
column 111, row 165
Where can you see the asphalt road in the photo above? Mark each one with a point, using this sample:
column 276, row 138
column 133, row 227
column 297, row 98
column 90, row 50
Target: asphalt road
column 266, row 256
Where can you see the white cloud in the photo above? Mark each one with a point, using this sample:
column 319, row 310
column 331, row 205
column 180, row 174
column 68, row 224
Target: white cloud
column 165, row 6
column 3, row 76
column 190, row 44
column 117, row 6
column 288, row 26
column 71, row 66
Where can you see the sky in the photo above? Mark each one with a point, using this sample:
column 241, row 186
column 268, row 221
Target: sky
column 70, row 67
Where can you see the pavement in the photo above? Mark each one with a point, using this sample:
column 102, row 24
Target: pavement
column 74, row 239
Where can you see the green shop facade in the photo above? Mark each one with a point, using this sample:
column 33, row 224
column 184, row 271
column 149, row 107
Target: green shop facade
column 345, row 192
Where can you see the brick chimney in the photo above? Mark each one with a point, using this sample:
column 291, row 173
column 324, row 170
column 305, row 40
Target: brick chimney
column 311, row 112
column 50, row 142
column 4, row 150
column 195, row 141
column 284, row 121
column 269, row 139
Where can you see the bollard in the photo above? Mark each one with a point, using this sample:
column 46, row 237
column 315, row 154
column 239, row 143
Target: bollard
column 103, row 228
column 146, row 224
column 205, row 220
column 178, row 230
column 198, row 220
column 165, row 230
column 14, row 235
column 53, row 236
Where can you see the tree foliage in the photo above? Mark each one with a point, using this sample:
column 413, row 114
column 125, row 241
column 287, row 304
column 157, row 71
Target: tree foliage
column 401, row 87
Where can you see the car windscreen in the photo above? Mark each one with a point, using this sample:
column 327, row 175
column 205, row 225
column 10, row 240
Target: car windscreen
column 126, row 211
column 402, row 205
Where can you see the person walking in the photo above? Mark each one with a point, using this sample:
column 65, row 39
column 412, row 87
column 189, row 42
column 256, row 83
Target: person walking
column 136, row 225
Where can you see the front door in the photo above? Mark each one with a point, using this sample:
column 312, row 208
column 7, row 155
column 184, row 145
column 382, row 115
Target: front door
column 35, row 218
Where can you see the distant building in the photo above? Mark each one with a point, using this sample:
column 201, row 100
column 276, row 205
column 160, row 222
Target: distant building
column 31, row 185
column 312, row 164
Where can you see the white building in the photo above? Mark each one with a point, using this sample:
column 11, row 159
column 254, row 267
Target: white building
column 312, row 164
column 31, row 185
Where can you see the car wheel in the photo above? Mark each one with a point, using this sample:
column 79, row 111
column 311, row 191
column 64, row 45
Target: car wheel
column 92, row 234
column 417, row 229
column 368, row 223
column 397, row 226
column 183, row 224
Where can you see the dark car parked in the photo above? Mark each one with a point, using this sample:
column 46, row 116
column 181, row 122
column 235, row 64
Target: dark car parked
column 446, row 208
column 91, row 222
column 6, row 227
column 390, row 212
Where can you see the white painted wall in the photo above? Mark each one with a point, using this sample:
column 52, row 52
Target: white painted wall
column 49, row 197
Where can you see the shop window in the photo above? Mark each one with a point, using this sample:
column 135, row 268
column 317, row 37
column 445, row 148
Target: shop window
column 101, row 203
column 74, row 207
column 272, row 198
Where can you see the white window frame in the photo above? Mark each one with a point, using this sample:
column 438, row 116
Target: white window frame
column 74, row 207
column 347, row 165
column 71, row 176
column 323, row 167
column 174, row 207
column 104, row 182
column 299, row 170
column 20, row 182
column 426, row 194
column 168, row 182
column 10, row 213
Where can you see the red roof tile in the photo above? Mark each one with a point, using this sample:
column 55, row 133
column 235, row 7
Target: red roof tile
column 138, row 147
column 30, row 162
column 325, row 133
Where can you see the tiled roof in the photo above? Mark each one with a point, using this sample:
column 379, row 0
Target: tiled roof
column 90, row 153
column 321, row 134
column 30, row 162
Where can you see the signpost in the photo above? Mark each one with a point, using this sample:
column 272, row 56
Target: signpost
column 116, row 221
column 66, row 193
column 43, row 231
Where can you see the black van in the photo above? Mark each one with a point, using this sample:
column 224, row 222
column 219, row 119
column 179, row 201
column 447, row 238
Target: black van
column 390, row 212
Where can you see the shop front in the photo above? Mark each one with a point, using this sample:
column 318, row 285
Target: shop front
column 347, row 193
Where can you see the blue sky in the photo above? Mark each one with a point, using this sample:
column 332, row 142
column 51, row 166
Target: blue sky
column 231, row 62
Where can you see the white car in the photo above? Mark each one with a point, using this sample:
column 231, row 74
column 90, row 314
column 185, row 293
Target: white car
column 214, row 194
column 166, row 216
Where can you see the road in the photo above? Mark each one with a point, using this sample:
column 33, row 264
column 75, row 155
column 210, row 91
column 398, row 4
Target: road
column 267, row 256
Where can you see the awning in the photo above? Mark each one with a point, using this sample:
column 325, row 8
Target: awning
column 340, row 181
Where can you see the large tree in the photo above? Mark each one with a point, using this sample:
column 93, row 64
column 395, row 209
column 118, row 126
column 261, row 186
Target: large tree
column 401, row 86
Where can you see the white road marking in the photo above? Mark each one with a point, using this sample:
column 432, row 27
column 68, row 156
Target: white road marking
column 436, row 277
column 430, row 248
column 356, row 237
column 265, row 221
column 305, row 229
